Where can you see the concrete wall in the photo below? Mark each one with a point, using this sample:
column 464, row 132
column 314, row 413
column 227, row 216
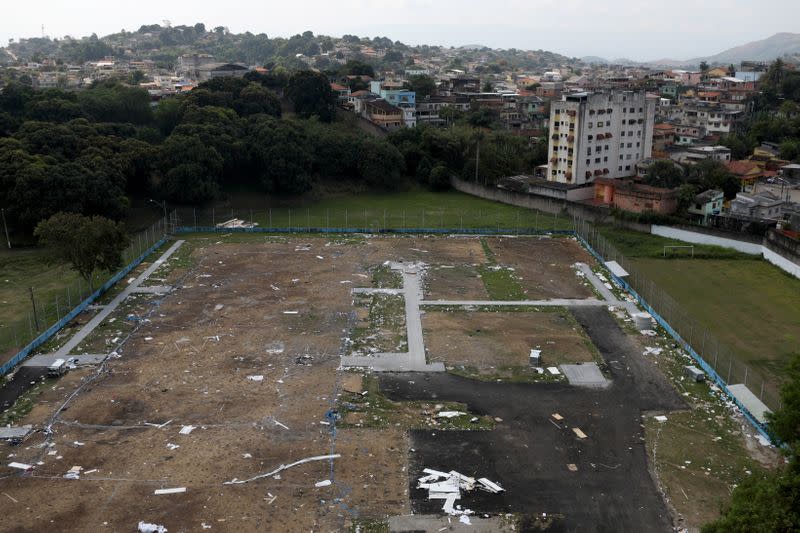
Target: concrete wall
column 772, row 249
column 781, row 262
column 703, row 238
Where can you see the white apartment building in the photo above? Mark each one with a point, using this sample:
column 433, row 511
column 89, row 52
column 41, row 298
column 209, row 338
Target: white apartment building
column 599, row 134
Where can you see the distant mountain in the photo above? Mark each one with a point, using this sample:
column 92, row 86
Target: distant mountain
column 472, row 47
column 594, row 60
column 769, row 49
column 779, row 45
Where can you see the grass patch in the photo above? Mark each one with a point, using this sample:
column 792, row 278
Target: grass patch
column 510, row 374
column 369, row 525
column 383, row 277
column 374, row 410
column 488, row 252
column 749, row 305
column 501, row 283
column 23, row 405
column 373, row 211
column 637, row 244
column 383, row 328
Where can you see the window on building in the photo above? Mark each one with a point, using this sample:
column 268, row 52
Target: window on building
column 638, row 144
column 590, row 137
column 599, row 124
column 605, row 159
column 627, row 167
column 589, row 151
column 597, row 160
column 598, row 149
column 588, row 161
column 622, row 145
column 620, row 157
column 620, row 169
column 628, row 156
column 608, row 122
column 639, row 133
column 641, row 109
column 630, row 145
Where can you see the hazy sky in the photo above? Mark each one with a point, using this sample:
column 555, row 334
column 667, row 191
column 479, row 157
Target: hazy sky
column 637, row 29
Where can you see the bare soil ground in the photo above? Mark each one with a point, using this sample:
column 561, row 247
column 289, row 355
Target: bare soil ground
column 498, row 343
column 454, row 282
column 280, row 308
column 542, row 265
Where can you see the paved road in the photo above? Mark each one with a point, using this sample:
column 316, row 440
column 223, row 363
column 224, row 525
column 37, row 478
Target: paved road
column 528, row 453
column 84, row 332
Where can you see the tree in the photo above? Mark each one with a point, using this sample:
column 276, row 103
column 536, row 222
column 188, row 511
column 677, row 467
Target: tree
column 663, row 173
column 422, row 85
column 88, row 244
column 771, row 502
column 311, row 95
column 487, row 87
column 703, row 70
column 190, row 169
column 256, row 99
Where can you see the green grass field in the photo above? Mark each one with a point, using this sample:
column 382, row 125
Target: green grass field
column 373, row 211
column 749, row 305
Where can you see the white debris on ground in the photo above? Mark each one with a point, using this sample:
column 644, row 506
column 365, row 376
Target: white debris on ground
column 448, row 486
column 449, row 414
column 649, row 350
column 237, row 223
column 648, row 333
column 146, row 527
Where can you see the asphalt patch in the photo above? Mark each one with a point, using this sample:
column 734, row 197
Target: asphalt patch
column 529, row 451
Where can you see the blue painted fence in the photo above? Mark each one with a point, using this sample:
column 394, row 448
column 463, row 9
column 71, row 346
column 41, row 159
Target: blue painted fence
column 52, row 330
column 761, row 428
column 374, row 231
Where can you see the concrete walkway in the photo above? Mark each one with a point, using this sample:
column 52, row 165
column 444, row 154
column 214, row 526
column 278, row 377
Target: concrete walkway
column 87, row 329
column 605, row 292
column 414, row 359
column 560, row 302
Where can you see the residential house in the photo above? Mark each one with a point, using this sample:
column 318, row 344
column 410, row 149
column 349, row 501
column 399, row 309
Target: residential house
column 635, row 197
column 695, row 154
column 760, row 206
column 749, row 172
column 342, row 93
column 382, row 113
column 396, row 95
column 430, row 107
column 707, row 204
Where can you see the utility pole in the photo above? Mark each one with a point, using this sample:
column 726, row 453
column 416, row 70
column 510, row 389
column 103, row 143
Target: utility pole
column 8, row 240
column 35, row 316
column 477, row 158
column 164, row 206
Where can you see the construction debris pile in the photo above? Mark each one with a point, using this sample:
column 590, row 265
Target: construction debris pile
column 447, row 486
column 236, row 223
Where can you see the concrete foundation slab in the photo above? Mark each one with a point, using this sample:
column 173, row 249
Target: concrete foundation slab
column 750, row 402
column 585, row 375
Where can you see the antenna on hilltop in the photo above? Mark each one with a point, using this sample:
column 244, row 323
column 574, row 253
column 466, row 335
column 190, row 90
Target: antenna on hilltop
column 42, row 31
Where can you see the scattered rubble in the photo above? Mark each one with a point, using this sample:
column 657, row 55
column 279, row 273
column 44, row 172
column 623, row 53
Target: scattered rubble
column 447, row 486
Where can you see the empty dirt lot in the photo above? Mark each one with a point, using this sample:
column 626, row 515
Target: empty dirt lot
column 246, row 350
column 495, row 342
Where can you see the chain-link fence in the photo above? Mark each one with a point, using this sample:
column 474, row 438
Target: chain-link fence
column 721, row 358
column 510, row 220
column 42, row 307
